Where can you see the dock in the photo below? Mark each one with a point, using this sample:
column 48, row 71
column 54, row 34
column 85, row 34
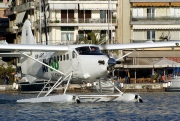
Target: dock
column 143, row 87
column 133, row 87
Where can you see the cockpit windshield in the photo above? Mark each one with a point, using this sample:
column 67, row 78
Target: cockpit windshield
column 89, row 50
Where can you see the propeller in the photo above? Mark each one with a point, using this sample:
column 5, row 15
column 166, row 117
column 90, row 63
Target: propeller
column 112, row 62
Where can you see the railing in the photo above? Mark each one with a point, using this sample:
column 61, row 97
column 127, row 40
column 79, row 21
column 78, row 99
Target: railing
column 141, row 41
column 11, row 10
column 151, row 0
column 25, row 6
column 150, row 22
column 58, row 42
column 67, row 42
column 148, row 18
column 90, row 20
column 81, row 0
column 154, row 40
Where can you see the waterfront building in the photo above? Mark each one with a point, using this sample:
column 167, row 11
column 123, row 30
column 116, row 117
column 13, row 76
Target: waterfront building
column 17, row 12
column 149, row 20
column 66, row 21
column 156, row 20
column 128, row 21
column 4, row 22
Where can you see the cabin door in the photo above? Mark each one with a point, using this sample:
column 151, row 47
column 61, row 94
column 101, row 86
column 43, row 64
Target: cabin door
column 74, row 61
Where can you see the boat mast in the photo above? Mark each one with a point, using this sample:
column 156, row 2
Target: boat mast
column 45, row 28
column 40, row 38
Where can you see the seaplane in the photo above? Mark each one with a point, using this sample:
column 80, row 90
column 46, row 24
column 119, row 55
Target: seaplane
column 66, row 63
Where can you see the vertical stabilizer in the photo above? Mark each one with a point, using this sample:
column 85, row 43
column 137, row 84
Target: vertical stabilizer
column 27, row 36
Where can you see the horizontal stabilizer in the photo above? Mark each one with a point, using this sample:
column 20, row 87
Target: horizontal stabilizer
column 10, row 55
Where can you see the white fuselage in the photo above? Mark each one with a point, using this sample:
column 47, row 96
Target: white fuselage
column 84, row 67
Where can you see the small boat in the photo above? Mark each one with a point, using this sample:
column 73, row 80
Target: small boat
column 175, row 85
column 35, row 86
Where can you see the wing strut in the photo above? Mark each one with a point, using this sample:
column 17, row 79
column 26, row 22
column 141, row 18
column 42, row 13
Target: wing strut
column 58, row 83
column 125, row 55
column 43, row 64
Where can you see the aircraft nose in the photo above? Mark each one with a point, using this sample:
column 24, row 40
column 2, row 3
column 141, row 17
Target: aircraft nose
column 111, row 62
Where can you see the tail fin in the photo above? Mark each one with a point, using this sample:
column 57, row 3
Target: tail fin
column 27, row 36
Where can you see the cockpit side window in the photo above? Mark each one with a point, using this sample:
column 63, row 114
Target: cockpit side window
column 89, row 50
column 94, row 49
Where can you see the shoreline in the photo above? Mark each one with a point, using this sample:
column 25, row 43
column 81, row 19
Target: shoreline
column 135, row 87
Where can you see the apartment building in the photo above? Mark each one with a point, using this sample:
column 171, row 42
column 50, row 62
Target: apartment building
column 156, row 20
column 4, row 22
column 17, row 12
column 70, row 21
column 67, row 22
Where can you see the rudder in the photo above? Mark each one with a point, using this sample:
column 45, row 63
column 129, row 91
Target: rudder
column 27, row 36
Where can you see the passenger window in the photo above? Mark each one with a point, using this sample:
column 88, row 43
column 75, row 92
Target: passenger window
column 54, row 58
column 58, row 57
column 74, row 54
column 67, row 56
column 64, row 57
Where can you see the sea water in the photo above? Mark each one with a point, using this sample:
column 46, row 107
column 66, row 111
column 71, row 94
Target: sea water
column 156, row 106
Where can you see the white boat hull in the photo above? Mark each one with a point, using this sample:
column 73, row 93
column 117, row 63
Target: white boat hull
column 174, row 86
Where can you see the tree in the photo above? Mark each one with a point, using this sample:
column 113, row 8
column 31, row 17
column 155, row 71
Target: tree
column 8, row 69
column 95, row 38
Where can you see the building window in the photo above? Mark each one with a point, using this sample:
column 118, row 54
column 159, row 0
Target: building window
column 80, row 35
column 103, row 16
column 150, row 12
column 67, row 35
column 102, row 33
column 151, row 35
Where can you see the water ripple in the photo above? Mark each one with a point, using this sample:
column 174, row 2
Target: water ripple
column 157, row 106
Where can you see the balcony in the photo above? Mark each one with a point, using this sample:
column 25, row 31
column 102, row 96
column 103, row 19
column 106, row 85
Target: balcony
column 150, row 0
column 154, row 40
column 78, row 22
column 140, row 20
column 25, row 7
column 10, row 11
column 11, row 30
column 78, row 0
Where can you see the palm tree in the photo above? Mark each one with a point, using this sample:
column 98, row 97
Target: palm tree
column 95, row 38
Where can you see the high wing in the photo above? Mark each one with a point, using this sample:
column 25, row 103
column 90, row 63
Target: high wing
column 31, row 47
column 140, row 45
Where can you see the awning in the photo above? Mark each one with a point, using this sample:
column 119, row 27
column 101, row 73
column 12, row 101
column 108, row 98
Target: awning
column 9, row 3
column 153, row 54
column 97, row 7
column 19, row 17
column 150, row 4
column 156, row 26
column 63, row 6
column 175, row 4
column 96, row 28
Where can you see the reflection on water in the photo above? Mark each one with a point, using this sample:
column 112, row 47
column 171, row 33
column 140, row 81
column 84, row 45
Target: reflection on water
column 156, row 106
